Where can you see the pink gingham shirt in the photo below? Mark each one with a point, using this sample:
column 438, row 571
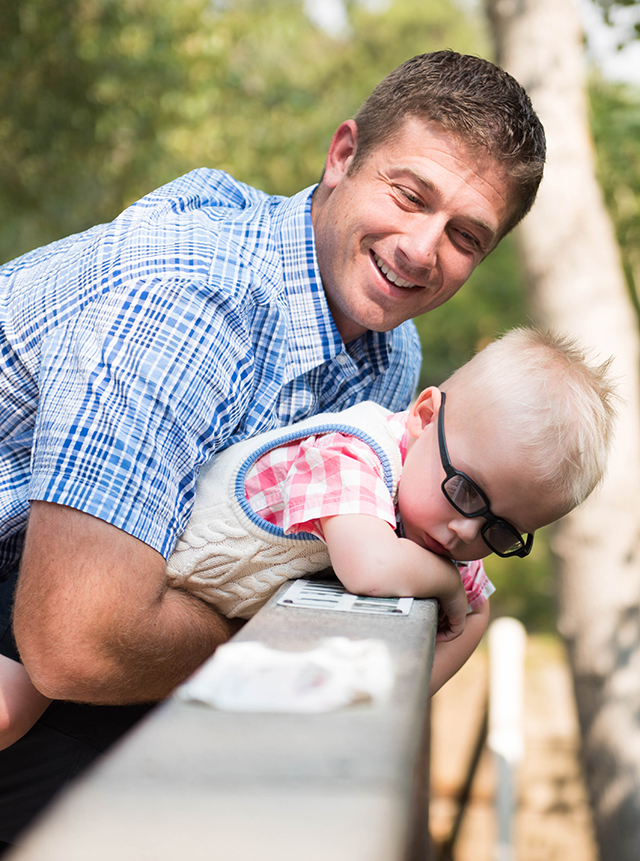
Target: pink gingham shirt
column 295, row 485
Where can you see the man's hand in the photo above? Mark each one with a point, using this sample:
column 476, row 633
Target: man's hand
column 94, row 620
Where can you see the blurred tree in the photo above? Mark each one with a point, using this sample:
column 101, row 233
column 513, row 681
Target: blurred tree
column 573, row 266
column 616, row 127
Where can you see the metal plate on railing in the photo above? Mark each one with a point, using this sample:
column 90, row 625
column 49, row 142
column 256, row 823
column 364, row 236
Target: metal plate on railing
column 318, row 595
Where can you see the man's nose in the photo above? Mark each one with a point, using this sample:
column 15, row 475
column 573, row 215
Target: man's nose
column 466, row 528
column 420, row 244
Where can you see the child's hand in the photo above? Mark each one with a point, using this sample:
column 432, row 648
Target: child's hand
column 453, row 614
column 370, row 559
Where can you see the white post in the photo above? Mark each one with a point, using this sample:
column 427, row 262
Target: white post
column 507, row 641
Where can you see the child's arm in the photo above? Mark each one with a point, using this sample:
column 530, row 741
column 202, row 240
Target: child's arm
column 20, row 703
column 370, row 559
column 450, row 656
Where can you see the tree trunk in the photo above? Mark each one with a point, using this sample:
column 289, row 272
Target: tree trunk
column 577, row 286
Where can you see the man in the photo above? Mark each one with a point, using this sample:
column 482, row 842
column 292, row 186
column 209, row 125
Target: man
column 206, row 313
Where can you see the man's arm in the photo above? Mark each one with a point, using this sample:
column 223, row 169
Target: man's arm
column 94, row 619
column 370, row 559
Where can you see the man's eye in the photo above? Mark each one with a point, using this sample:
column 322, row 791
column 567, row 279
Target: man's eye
column 468, row 239
column 408, row 195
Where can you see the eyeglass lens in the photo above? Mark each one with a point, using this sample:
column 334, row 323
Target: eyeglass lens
column 502, row 539
column 464, row 495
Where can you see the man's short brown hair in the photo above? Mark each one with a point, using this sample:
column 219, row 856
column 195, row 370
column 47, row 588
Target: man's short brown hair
column 469, row 97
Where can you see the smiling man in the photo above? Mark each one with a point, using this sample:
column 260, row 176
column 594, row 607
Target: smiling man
column 207, row 313
column 401, row 233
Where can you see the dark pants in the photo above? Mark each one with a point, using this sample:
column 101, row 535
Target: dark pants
column 66, row 739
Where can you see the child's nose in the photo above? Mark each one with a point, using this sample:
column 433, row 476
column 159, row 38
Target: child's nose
column 466, row 528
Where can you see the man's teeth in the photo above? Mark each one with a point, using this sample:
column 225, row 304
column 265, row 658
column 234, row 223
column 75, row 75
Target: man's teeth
column 390, row 274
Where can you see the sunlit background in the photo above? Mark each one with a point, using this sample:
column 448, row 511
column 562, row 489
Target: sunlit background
column 102, row 101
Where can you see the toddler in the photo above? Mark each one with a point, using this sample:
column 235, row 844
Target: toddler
column 402, row 504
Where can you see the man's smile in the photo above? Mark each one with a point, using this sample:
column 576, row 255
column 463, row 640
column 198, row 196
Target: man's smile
column 390, row 275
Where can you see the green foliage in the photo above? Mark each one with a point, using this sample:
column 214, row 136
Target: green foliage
column 103, row 100
column 525, row 588
column 615, row 120
column 82, row 86
column 268, row 112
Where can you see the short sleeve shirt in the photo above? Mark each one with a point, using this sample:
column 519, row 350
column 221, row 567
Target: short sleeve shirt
column 131, row 353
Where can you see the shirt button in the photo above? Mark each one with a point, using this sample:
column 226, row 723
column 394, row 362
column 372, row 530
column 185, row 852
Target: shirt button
column 342, row 359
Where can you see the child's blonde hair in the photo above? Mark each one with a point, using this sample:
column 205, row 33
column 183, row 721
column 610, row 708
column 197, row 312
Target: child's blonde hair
column 558, row 407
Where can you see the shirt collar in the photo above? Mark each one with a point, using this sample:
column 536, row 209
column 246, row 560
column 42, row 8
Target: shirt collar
column 313, row 336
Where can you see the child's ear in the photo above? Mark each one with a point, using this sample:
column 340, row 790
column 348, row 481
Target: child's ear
column 424, row 410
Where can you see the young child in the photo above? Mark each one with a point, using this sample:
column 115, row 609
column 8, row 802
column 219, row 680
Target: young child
column 390, row 501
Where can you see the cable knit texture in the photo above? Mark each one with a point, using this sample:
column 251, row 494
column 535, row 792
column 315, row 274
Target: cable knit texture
column 235, row 560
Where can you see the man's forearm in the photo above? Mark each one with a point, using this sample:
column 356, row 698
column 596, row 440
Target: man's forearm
column 149, row 660
column 94, row 620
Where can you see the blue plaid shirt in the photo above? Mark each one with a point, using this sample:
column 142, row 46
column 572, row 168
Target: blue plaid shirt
column 131, row 352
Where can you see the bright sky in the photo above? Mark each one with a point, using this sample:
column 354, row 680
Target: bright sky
column 330, row 15
column 602, row 40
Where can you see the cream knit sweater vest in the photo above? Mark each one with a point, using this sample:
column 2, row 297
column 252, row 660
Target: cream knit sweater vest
column 235, row 560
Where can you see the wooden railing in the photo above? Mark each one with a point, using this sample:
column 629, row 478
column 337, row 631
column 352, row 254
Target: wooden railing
column 193, row 782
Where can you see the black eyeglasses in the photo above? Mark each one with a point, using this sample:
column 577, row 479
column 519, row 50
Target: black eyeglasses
column 467, row 498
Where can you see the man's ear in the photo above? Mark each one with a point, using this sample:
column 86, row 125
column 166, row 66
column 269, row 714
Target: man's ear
column 424, row 410
column 341, row 152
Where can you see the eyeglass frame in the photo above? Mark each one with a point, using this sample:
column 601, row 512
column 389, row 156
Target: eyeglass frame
column 489, row 516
